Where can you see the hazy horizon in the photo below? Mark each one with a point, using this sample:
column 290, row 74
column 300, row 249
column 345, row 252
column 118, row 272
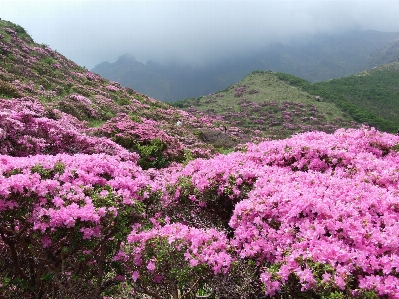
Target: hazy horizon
column 194, row 32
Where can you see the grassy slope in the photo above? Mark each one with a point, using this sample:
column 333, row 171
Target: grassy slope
column 268, row 102
column 371, row 96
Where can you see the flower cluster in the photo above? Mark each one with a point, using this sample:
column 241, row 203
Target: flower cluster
column 319, row 207
column 26, row 128
column 65, row 210
column 112, row 88
column 195, row 246
column 239, row 91
column 144, row 136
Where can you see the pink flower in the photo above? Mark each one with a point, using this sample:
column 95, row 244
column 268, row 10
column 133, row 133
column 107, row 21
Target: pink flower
column 339, row 281
column 46, row 241
column 193, row 262
column 326, row 277
column 58, row 202
column 151, row 266
column 135, row 276
column 158, row 278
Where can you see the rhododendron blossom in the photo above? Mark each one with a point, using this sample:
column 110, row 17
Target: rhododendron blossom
column 319, row 207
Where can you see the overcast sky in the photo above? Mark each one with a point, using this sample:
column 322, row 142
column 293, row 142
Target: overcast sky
column 91, row 31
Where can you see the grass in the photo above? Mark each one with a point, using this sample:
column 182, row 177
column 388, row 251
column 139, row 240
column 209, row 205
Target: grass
column 266, row 102
column 371, row 96
column 95, row 123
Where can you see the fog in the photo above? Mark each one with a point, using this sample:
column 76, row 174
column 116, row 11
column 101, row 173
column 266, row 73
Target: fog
column 196, row 32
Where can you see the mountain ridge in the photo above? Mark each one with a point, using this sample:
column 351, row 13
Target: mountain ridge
column 265, row 101
column 316, row 57
column 370, row 97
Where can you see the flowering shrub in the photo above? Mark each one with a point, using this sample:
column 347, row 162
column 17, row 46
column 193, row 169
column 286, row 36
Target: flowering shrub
column 112, row 88
column 156, row 148
column 316, row 213
column 168, row 259
column 93, row 77
column 328, row 232
column 78, row 106
column 27, row 129
column 239, row 91
column 9, row 90
column 62, row 221
column 308, row 210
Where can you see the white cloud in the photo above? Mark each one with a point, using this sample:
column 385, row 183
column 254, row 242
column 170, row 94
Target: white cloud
column 91, row 31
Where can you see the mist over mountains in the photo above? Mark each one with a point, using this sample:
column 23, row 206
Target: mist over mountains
column 317, row 57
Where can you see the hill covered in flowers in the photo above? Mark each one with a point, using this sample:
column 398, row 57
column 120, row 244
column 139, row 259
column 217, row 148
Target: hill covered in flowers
column 103, row 194
column 68, row 98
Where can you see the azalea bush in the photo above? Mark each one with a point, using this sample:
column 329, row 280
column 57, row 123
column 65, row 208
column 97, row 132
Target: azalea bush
column 8, row 90
column 63, row 218
column 173, row 259
column 312, row 216
column 27, row 128
column 308, row 211
column 156, row 148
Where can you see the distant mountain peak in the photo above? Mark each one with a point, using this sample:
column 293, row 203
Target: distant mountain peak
column 127, row 57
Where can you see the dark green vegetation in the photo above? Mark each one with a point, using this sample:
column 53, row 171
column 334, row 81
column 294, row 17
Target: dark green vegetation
column 370, row 97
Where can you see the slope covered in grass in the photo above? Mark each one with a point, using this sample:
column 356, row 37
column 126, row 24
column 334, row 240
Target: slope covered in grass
column 280, row 104
column 265, row 101
column 371, row 96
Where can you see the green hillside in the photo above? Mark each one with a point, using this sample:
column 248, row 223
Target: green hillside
column 280, row 104
column 371, row 96
column 268, row 102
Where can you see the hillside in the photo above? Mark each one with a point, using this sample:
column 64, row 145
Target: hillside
column 371, row 96
column 280, row 104
column 315, row 58
column 106, row 193
column 36, row 73
column 265, row 101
